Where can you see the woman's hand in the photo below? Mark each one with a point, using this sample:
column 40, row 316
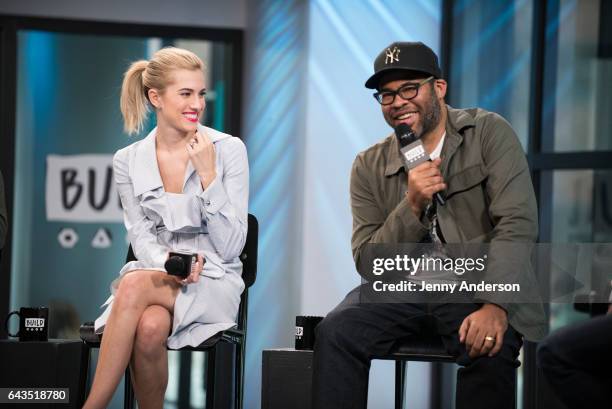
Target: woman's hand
column 196, row 269
column 201, row 152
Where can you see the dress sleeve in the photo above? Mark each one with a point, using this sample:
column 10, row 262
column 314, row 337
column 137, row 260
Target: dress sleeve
column 225, row 201
column 141, row 230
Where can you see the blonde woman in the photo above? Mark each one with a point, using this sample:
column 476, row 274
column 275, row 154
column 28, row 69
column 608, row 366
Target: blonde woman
column 182, row 187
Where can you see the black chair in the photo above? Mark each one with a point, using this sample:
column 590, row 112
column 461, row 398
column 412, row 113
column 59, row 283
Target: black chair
column 219, row 347
column 428, row 347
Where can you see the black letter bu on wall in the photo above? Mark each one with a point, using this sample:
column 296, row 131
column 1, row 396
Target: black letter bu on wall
column 72, row 189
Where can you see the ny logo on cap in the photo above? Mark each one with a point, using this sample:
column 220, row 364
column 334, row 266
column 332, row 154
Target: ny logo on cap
column 392, row 55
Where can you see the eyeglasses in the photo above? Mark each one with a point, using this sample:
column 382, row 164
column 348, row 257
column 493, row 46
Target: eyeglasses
column 407, row 92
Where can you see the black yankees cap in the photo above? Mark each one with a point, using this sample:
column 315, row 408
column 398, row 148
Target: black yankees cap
column 404, row 56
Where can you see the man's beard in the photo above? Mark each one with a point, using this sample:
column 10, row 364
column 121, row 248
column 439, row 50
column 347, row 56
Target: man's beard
column 431, row 115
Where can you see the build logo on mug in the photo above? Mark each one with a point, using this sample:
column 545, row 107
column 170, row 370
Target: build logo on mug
column 33, row 323
column 305, row 331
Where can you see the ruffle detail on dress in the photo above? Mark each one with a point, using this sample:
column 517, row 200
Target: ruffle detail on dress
column 180, row 213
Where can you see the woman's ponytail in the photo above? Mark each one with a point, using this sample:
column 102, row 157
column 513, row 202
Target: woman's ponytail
column 133, row 102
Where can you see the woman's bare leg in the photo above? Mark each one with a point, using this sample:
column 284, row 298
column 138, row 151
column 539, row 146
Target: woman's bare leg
column 137, row 291
column 149, row 363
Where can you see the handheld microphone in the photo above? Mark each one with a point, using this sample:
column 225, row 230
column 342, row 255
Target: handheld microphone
column 180, row 263
column 413, row 152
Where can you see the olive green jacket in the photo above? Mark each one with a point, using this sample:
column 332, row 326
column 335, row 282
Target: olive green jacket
column 489, row 199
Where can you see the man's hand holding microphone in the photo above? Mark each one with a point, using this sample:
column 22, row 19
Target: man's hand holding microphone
column 424, row 181
column 424, row 177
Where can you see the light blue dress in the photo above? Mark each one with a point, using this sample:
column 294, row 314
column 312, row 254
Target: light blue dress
column 212, row 222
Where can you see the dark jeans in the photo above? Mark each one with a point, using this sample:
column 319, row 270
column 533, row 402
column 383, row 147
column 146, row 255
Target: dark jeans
column 354, row 333
column 577, row 362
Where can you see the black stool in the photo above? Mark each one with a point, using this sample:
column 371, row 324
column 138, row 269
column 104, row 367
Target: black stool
column 427, row 347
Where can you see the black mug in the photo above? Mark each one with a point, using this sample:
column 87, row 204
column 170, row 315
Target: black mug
column 33, row 323
column 305, row 331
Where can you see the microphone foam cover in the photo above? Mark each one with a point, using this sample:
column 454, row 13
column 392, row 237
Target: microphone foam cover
column 402, row 129
column 175, row 265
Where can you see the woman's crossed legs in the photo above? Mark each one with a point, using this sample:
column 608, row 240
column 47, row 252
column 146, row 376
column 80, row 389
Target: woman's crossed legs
column 136, row 332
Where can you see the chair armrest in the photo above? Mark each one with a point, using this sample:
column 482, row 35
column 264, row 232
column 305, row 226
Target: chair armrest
column 88, row 334
column 233, row 335
column 234, row 332
column 587, row 303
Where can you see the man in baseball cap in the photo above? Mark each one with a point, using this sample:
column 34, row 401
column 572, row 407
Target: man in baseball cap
column 479, row 169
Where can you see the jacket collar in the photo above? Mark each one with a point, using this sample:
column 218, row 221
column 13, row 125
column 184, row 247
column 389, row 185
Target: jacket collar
column 457, row 120
column 145, row 172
